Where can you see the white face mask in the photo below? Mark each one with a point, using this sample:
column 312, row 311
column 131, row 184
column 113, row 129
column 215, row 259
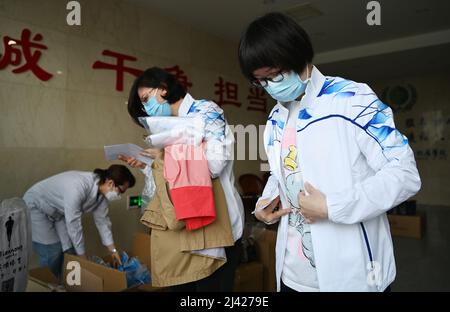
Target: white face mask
column 112, row 196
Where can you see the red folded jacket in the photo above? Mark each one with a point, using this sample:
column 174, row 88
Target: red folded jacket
column 187, row 173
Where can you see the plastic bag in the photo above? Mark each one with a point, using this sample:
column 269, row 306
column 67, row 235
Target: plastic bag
column 149, row 188
column 98, row 260
column 137, row 273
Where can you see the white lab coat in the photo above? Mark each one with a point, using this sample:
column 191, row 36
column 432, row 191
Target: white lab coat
column 219, row 147
column 57, row 203
column 348, row 148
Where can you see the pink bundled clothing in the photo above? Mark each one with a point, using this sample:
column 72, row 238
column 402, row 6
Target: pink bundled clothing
column 187, row 173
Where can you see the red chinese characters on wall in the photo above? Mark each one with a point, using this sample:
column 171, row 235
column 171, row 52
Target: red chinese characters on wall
column 227, row 92
column 24, row 54
column 120, row 69
column 180, row 75
column 257, row 99
column 119, row 66
column 228, row 95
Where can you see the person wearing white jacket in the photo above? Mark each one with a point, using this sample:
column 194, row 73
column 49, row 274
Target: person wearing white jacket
column 56, row 205
column 337, row 162
column 157, row 93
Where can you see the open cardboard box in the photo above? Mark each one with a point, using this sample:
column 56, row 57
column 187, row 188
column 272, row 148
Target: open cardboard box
column 99, row 278
column 253, row 276
column 41, row 280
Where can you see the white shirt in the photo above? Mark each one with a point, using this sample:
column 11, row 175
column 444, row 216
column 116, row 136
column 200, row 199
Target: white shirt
column 299, row 272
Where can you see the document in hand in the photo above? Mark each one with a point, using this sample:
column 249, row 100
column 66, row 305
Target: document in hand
column 112, row 152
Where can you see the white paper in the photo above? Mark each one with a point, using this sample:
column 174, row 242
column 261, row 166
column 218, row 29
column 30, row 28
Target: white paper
column 112, row 152
column 158, row 124
column 165, row 131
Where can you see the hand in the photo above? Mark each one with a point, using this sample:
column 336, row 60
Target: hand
column 116, row 259
column 270, row 215
column 132, row 162
column 153, row 153
column 313, row 206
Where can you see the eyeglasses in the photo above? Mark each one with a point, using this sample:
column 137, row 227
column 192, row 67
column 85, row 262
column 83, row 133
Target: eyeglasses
column 263, row 82
column 145, row 98
column 121, row 191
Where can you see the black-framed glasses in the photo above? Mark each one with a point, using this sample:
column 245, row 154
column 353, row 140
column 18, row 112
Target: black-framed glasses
column 263, row 82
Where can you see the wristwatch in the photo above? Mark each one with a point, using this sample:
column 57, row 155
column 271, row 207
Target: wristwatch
column 114, row 250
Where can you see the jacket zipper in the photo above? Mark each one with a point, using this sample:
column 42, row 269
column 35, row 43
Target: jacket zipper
column 367, row 244
column 369, row 250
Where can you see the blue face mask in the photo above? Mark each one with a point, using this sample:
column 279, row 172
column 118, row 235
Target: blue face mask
column 288, row 89
column 154, row 108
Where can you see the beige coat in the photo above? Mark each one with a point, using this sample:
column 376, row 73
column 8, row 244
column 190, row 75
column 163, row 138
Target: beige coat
column 171, row 260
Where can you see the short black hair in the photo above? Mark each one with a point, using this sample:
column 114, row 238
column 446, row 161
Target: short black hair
column 154, row 77
column 274, row 40
column 118, row 173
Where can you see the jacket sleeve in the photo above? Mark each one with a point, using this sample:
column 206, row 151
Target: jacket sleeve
column 103, row 223
column 72, row 213
column 388, row 153
column 218, row 137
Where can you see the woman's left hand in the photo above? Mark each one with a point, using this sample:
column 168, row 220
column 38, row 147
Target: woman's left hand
column 313, row 206
column 153, row 153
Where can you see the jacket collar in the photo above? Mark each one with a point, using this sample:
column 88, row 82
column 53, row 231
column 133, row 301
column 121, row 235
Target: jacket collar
column 185, row 105
column 95, row 191
column 316, row 83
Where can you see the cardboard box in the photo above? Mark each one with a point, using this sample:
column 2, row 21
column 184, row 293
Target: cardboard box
column 249, row 277
column 265, row 247
column 99, row 278
column 42, row 280
column 407, row 226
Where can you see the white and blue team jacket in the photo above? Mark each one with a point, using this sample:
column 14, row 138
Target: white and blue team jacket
column 348, row 148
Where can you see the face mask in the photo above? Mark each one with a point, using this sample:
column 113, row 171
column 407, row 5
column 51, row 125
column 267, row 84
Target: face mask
column 154, row 108
column 288, row 89
column 113, row 195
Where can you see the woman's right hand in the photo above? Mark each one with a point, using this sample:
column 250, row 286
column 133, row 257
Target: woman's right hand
column 132, row 162
column 271, row 214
